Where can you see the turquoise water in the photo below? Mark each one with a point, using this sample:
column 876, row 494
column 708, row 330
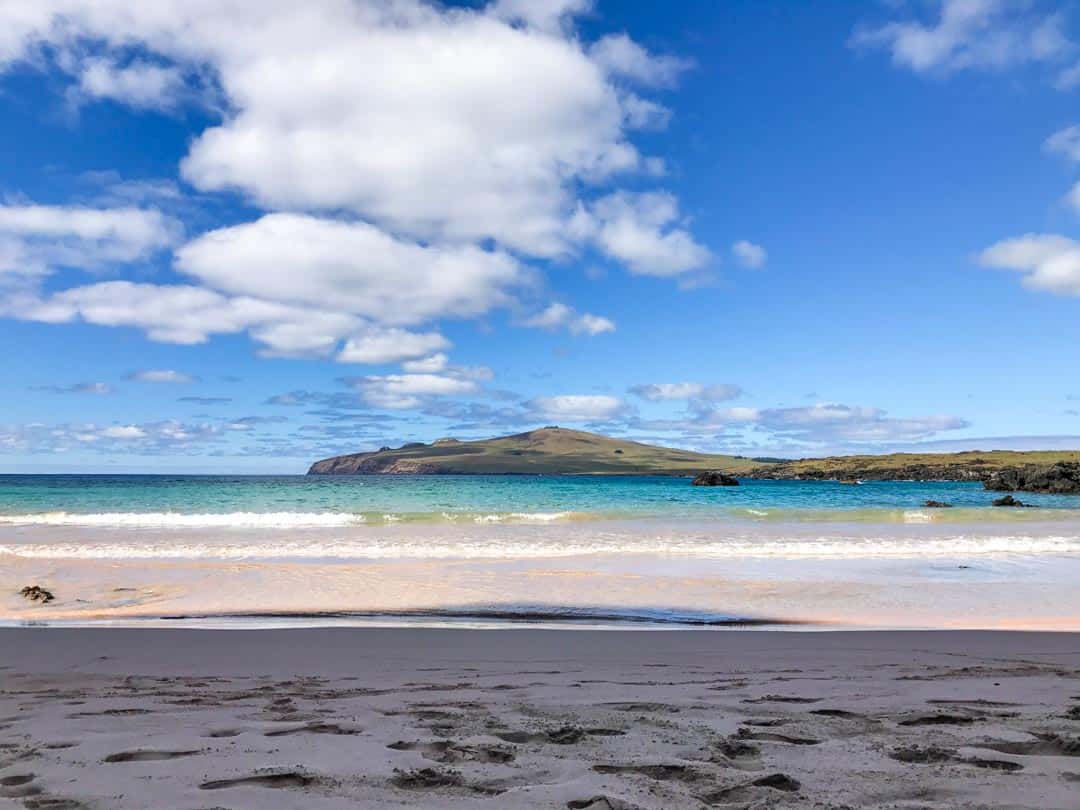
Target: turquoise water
column 287, row 501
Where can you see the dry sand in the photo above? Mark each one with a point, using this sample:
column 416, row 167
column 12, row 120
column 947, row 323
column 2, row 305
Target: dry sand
column 328, row 718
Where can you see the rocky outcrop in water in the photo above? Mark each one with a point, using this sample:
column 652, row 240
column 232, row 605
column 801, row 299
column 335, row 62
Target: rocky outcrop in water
column 1062, row 478
column 937, row 505
column 715, row 479
column 1008, row 500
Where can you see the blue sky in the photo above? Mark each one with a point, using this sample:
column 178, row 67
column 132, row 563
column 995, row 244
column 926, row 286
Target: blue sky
column 239, row 239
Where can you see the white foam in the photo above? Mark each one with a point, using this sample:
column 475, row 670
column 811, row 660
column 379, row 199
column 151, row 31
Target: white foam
column 425, row 546
column 181, row 520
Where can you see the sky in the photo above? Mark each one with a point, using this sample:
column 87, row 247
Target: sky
column 239, row 237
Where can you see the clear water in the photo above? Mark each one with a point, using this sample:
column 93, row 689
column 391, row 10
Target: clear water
column 299, row 501
column 436, row 548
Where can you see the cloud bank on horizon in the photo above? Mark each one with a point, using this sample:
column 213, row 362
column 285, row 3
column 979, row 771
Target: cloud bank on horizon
column 356, row 182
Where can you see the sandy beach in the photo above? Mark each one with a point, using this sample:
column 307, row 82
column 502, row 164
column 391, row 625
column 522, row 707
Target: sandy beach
column 327, row 718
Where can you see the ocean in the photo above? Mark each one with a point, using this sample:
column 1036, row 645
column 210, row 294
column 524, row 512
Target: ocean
column 642, row 549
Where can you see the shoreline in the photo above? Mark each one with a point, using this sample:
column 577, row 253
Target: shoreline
column 635, row 720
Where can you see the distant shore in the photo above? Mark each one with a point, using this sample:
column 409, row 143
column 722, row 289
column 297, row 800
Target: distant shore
column 128, row 719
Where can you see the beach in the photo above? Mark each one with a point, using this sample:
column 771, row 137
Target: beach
column 327, row 718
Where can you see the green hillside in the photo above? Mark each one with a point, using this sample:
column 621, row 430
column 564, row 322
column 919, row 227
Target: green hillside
column 550, row 450
column 976, row 465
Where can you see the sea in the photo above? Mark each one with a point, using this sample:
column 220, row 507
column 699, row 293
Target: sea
column 558, row 551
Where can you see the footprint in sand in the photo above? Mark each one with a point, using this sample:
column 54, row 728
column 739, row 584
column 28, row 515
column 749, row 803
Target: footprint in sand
column 774, row 781
column 18, row 785
column 600, row 803
column 147, row 756
column 315, row 728
column 1047, row 745
column 661, row 773
column 765, row 736
column 939, row 720
column 431, row 779
column 283, row 779
column 567, row 735
column 446, row 751
column 933, row 755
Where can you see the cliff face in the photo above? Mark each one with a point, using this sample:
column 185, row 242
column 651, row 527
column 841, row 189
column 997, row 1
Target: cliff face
column 1062, row 478
column 372, row 464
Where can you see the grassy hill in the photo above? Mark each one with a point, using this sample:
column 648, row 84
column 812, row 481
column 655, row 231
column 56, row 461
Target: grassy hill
column 550, row 450
column 971, row 465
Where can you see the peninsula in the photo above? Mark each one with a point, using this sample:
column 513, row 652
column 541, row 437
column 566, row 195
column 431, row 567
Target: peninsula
column 561, row 451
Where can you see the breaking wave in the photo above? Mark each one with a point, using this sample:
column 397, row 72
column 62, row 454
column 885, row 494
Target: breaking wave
column 272, row 520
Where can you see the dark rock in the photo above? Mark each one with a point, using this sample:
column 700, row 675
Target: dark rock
column 1062, row 478
column 715, row 479
column 35, row 593
column 1008, row 500
column 937, row 505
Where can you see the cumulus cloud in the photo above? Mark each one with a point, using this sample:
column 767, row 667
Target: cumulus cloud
column 641, row 230
column 576, row 407
column 412, row 157
column 970, row 34
column 161, row 375
column 561, row 316
column 139, row 84
column 37, row 239
column 621, row 57
column 1049, row 262
column 749, row 255
column 392, row 346
column 404, row 391
column 437, row 123
column 666, row 392
column 355, row 267
column 427, row 365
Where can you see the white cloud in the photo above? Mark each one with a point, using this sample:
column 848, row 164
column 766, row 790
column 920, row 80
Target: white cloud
column 1051, row 262
column 424, row 131
column 835, row 422
column 427, row 365
column 637, row 229
column 620, row 56
column 353, row 267
column 1065, row 142
column 550, row 15
column 403, row 391
column 124, row 432
column 391, row 346
column 561, row 316
column 139, row 84
column 96, row 388
column 161, row 375
column 749, row 255
column 971, row 34
column 577, row 407
column 143, row 438
column 36, row 239
column 432, row 122
column 665, row 392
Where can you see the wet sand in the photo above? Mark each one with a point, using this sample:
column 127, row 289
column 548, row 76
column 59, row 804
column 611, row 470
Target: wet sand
column 328, row 718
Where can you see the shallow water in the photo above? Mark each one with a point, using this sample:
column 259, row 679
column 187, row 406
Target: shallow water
column 539, row 549
column 317, row 501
